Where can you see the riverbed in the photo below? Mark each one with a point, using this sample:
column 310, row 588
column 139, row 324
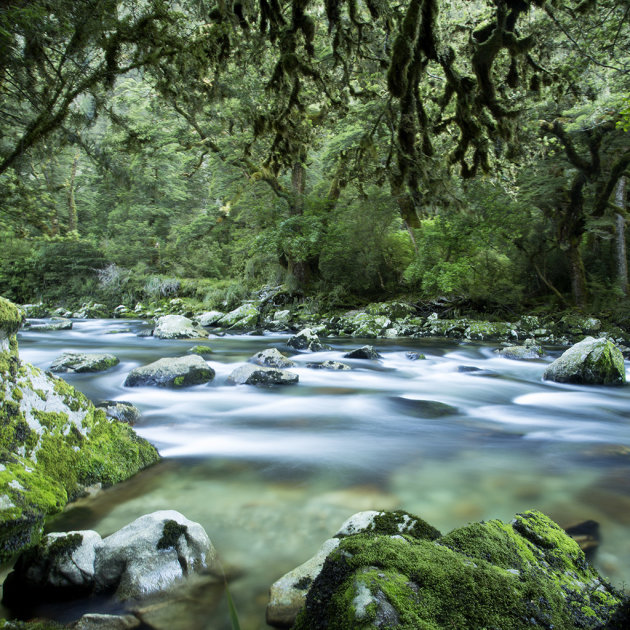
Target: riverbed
column 462, row 435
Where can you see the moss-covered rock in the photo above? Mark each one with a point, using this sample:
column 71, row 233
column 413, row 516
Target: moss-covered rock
column 589, row 362
column 53, row 444
column 171, row 372
column 244, row 317
column 76, row 362
column 272, row 357
column 524, row 574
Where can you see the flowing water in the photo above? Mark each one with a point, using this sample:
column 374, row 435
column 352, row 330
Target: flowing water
column 271, row 473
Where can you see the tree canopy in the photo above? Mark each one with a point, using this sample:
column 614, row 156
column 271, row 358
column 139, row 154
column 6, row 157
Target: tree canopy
column 476, row 149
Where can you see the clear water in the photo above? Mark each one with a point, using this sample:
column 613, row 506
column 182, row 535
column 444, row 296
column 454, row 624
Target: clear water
column 272, row 473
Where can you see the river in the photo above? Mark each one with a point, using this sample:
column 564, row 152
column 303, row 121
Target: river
column 272, row 473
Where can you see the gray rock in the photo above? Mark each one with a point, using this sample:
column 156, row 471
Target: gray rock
column 151, row 554
column 526, row 352
column 414, row 356
column 306, row 340
column 120, row 410
column 61, row 563
column 37, row 311
column 55, row 323
column 145, row 557
column 175, row 372
column 329, row 365
column 95, row 621
column 249, row 374
column 589, row 362
column 83, row 362
column 177, row 327
column 209, row 318
column 272, row 357
column 288, row 594
column 365, row 352
column 202, row 351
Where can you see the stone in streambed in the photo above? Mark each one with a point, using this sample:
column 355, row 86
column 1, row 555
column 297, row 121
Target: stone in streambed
column 365, row 352
column 78, row 362
column 589, row 362
column 148, row 556
column 249, row 374
column 272, row 357
column 119, row 410
column 55, row 323
column 329, row 365
column 521, row 353
column 177, row 327
column 171, row 372
column 306, row 339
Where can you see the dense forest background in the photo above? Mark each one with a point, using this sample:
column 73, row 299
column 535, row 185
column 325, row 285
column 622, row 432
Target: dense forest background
column 467, row 150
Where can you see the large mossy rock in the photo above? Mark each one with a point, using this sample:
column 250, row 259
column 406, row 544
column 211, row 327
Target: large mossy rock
column 520, row 575
column 53, row 444
column 589, row 362
column 171, row 372
column 272, row 357
column 145, row 557
column 242, row 318
column 177, row 327
column 306, row 339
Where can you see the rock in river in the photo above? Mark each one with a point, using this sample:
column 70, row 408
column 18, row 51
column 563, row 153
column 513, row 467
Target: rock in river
column 589, row 362
column 145, row 557
column 272, row 357
column 306, row 340
column 249, row 374
column 395, row 571
column 177, row 327
column 171, row 372
column 364, row 352
column 83, row 362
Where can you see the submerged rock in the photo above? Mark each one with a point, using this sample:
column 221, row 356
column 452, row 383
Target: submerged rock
column 145, row 557
column 202, row 351
column 96, row 621
column 55, row 323
column 523, row 574
column 415, row 356
column 177, row 327
column 329, row 365
column 83, row 362
column 306, row 339
column 589, row 362
column 249, row 374
column 272, row 357
column 171, row 372
column 365, row 352
column 54, row 444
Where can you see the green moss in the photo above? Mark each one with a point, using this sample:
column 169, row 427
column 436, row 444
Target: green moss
column 52, row 420
column 201, row 350
column 11, row 318
column 171, row 533
column 178, row 381
column 486, row 575
column 16, row 394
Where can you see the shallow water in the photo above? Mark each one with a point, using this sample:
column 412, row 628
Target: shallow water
column 272, row 473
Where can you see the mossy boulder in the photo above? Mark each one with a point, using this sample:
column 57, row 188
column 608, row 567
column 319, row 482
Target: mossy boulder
column 519, row 575
column 589, row 362
column 53, row 444
column 76, row 362
column 202, row 351
column 329, row 365
column 55, row 323
column 209, row 318
column 244, row 317
column 171, row 372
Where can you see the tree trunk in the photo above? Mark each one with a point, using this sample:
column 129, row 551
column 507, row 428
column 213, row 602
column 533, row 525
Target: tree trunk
column 620, row 237
column 578, row 274
column 298, row 182
column 72, row 206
